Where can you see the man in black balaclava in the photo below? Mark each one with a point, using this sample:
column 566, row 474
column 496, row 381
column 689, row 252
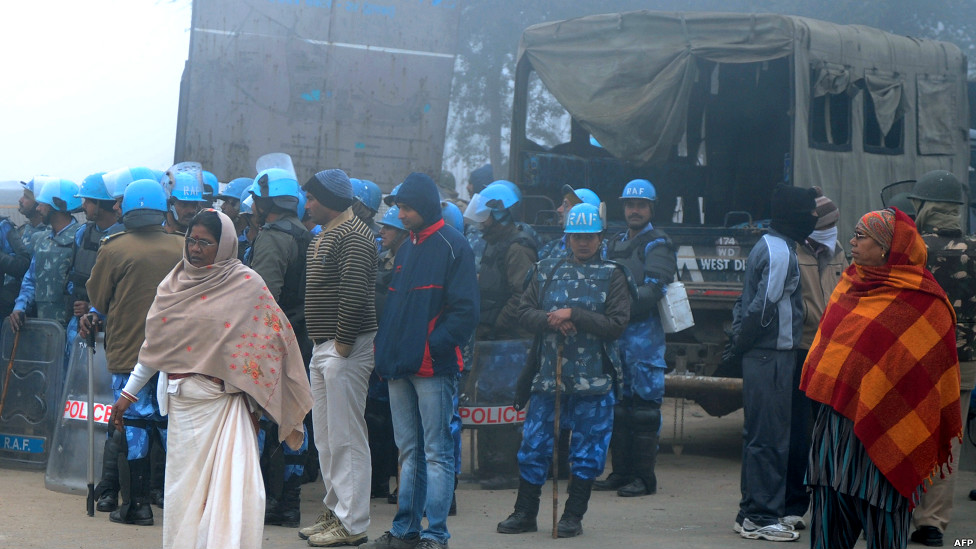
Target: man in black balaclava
column 767, row 327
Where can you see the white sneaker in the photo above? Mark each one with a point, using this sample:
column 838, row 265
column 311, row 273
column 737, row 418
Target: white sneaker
column 773, row 532
column 325, row 521
column 335, row 536
column 793, row 521
column 736, row 527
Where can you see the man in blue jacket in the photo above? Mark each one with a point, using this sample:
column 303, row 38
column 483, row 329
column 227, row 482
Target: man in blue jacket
column 431, row 311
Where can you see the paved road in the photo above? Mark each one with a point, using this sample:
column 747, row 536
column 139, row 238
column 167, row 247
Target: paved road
column 694, row 507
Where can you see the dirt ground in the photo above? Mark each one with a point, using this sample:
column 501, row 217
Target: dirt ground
column 698, row 494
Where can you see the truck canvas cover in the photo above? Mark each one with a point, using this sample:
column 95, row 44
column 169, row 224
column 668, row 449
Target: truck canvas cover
column 627, row 79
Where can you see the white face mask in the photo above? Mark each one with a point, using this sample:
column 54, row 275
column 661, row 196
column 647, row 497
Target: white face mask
column 827, row 237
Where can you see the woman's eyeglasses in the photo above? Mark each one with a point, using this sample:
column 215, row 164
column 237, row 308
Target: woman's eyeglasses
column 190, row 241
column 859, row 235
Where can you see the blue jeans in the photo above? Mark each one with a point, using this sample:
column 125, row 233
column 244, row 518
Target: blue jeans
column 422, row 408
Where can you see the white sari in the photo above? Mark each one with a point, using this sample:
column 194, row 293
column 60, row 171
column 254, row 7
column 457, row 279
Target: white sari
column 214, row 490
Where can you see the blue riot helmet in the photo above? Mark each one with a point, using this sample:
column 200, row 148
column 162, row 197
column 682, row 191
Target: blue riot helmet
column 247, row 203
column 210, row 186
column 142, row 172
column 302, row 200
column 580, row 196
column 279, row 185
column 60, row 194
column 452, row 215
column 143, row 204
column 390, row 198
column 368, row 193
column 514, row 188
column 495, row 200
column 584, row 218
column 93, row 188
column 639, row 188
column 392, row 218
column 116, row 181
column 186, row 187
column 236, row 188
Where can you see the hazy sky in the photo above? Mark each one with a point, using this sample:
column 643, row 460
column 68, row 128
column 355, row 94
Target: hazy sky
column 90, row 85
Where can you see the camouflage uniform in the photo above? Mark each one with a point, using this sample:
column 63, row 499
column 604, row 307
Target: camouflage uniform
column 597, row 291
column 952, row 261
column 650, row 257
column 46, row 278
column 14, row 261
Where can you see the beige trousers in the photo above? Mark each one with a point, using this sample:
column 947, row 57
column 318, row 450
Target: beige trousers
column 935, row 508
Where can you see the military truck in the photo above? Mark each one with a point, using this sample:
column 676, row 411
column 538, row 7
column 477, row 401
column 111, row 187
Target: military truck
column 716, row 109
column 363, row 86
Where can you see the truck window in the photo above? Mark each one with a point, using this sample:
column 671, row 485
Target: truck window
column 830, row 108
column 547, row 123
column 884, row 114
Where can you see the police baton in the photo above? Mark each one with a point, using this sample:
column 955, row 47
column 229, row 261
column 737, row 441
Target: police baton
column 90, row 343
column 10, row 367
column 555, row 437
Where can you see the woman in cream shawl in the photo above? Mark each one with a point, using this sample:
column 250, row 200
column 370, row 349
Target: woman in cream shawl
column 226, row 354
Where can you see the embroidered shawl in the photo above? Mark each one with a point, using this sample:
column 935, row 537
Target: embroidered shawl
column 221, row 320
column 885, row 357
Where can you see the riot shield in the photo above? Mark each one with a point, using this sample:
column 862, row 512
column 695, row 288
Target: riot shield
column 31, row 386
column 490, row 387
column 67, row 468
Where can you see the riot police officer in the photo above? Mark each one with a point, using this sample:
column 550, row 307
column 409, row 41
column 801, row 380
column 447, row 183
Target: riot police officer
column 27, row 206
column 46, row 278
column 278, row 255
column 128, row 267
column 577, row 306
column 509, row 254
column 367, row 202
column 648, row 254
column 571, row 197
column 938, row 199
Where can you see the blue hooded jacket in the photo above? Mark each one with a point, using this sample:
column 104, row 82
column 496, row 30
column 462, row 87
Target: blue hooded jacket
column 432, row 304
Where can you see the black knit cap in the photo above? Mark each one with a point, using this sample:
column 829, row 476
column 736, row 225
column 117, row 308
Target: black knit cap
column 331, row 188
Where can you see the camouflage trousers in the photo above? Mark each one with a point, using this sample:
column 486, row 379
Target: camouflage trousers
column 141, row 418
column 589, row 417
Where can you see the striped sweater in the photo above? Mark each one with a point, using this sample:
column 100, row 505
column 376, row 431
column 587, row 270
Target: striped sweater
column 340, row 279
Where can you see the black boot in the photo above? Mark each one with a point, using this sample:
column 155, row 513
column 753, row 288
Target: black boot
column 570, row 524
column 621, row 452
column 647, row 421
column 107, row 491
column 523, row 519
column 133, row 478
column 288, row 512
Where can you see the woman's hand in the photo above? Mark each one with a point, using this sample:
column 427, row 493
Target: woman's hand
column 119, row 408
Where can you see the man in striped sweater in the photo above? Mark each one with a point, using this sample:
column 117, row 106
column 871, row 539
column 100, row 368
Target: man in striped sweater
column 341, row 319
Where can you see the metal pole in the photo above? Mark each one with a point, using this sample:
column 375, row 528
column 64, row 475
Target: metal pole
column 90, row 344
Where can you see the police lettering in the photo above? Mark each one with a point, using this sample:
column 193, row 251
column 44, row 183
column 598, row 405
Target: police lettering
column 76, row 409
column 490, row 415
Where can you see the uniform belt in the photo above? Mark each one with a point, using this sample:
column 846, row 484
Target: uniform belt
column 216, row 380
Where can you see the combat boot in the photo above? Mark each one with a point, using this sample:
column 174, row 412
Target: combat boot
column 523, row 519
column 570, row 523
column 133, row 476
column 288, row 512
column 107, row 490
column 647, row 421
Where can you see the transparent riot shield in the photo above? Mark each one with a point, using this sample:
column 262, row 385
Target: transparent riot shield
column 490, row 386
column 30, row 390
column 67, row 464
column 276, row 160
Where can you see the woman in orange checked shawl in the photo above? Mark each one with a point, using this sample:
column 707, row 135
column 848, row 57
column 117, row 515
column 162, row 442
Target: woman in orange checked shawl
column 884, row 365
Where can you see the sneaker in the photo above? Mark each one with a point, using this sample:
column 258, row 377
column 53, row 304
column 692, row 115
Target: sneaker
column 336, row 535
column 737, row 527
column 773, row 532
column 325, row 521
column 427, row 543
column 389, row 541
column 793, row 521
